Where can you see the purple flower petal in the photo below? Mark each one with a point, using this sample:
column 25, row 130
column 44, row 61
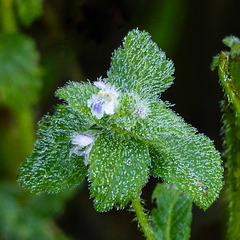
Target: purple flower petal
column 97, row 109
column 139, row 111
column 104, row 101
column 85, row 159
column 79, row 153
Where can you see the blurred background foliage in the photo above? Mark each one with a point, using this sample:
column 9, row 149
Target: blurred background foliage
column 43, row 44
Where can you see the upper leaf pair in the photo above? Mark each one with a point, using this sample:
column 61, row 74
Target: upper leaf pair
column 134, row 135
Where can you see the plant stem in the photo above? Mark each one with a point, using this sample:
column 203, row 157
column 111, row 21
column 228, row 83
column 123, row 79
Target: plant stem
column 142, row 219
column 7, row 17
column 229, row 74
column 232, row 145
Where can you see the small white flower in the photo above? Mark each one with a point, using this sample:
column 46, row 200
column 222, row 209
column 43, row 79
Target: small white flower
column 83, row 145
column 100, row 84
column 103, row 102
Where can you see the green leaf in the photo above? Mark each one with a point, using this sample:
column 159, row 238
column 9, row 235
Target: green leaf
column 140, row 66
column 156, row 120
column 50, row 167
column 118, row 170
column 125, row 116
column 230, row 41
column 215, row 62
column 77, row 95
column 159, row 122
column 191, row 163
column 179, row 155
column 172, row 217
column 29, row 10
column 19, row 71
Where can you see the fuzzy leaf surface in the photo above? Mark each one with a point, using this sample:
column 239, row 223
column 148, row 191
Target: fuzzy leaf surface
column 118, row 170
column 191, row 163
column 19, row 71
column 157, row 121
column 161, row 121
column 50, row 168
column 76, row 94
column 230, row 41
column 171, row 219
column 125, row 117
column 140, row 66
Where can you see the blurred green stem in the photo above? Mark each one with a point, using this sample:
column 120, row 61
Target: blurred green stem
column 8, row 24
column 26, row 130
column 142, row 219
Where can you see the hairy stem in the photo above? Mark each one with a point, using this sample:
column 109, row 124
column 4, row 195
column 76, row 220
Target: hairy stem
column 8, row 24
column 232, row 145
column 142, row 219
column 227, row 83
column 229, row 74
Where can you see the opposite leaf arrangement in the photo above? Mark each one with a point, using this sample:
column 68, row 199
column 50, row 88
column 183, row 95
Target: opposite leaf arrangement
column 117, row 133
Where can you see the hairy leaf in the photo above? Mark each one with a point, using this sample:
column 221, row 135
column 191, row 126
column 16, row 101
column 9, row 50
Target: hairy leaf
column 215, row 62
column 171, row 219
column 50, row 167
column 191, row 163
column 29, row 10
column 77, row 94
column 160, row 121
column 118, row 170
column 230, row 41
column 19, row 71
column 130, row 111
column 146, row 121
column 140, row 66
